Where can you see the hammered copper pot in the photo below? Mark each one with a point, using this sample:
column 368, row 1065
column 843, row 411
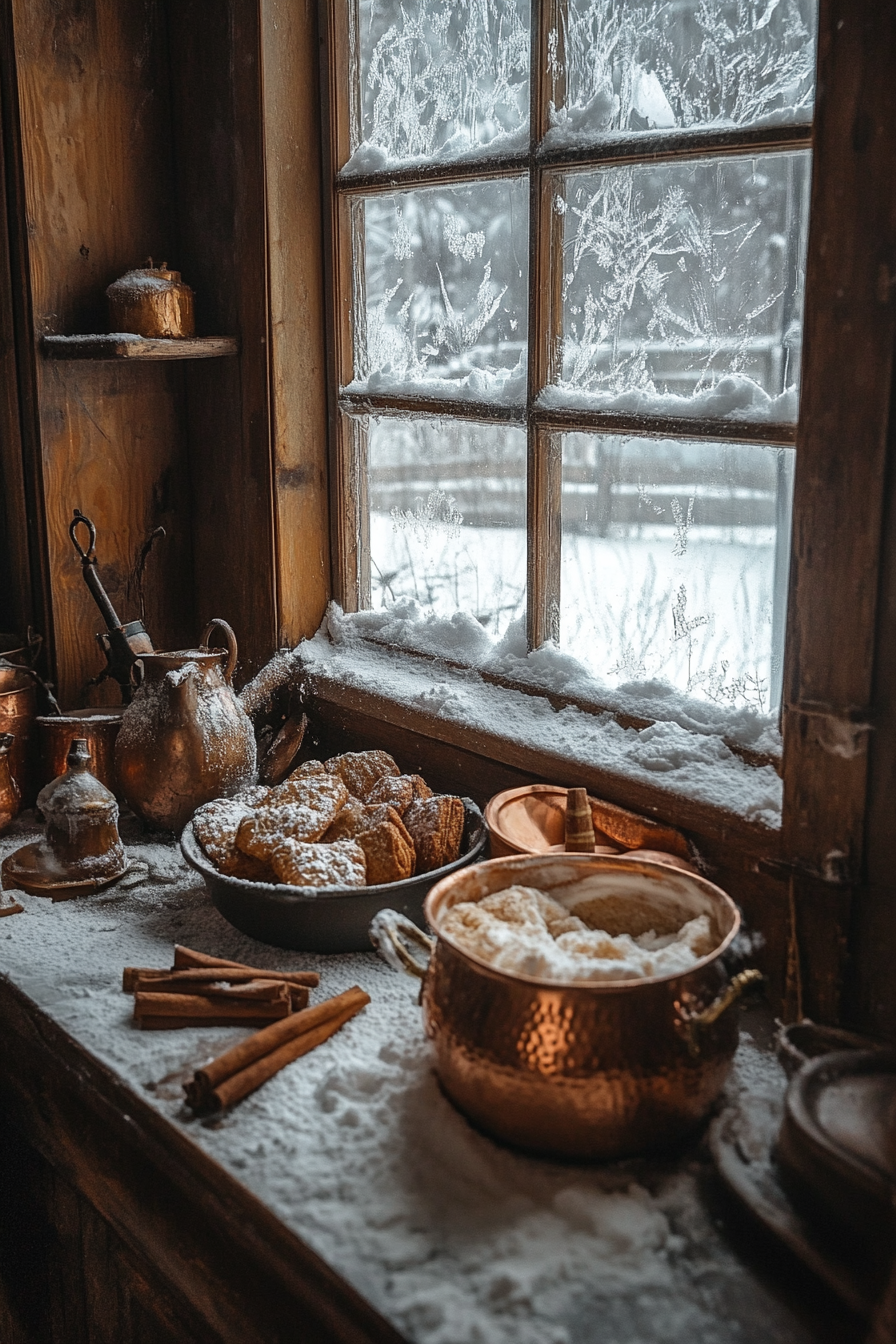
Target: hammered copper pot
column 584, row 1070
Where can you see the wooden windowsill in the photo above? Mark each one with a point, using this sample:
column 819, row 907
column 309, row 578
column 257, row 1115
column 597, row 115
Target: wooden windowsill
column 481, row 761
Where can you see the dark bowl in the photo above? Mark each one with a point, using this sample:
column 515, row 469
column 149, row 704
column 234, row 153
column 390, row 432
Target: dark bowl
column 324, row 919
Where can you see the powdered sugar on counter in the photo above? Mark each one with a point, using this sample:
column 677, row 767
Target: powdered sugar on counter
column 684, row 752
column 454, row 1239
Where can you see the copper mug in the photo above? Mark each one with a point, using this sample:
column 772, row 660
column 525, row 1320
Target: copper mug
column 184, row 738
column 99, row 729
column 578, row 1070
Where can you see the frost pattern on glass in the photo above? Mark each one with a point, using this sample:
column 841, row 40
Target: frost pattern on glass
column 442, row 79
column 448, row 519
column 692, row 63
column 683, row 287
column 675, row 557
column 445, row 279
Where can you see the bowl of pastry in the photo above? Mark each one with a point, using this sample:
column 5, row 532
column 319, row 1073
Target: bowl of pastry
column 306, row 864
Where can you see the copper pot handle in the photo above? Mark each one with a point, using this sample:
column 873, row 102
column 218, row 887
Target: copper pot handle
column 229, row 640
column 386, row 931
column 689, row 1024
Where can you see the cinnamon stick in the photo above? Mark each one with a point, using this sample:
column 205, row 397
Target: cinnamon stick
column 239, row 1085
column 264, row 1044
column 249, row 989
column 200, row 1008
column 185, row 957
column 234, row 974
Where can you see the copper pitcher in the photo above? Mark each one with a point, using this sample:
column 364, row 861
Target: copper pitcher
column 10, row 798
column 185, row 738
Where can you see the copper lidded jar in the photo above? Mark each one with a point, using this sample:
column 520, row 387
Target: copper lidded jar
column 82, row 842
column 184, row 738
column 584, row 1070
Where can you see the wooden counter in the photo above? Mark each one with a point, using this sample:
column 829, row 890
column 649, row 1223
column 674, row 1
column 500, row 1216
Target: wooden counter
column 346, row 1201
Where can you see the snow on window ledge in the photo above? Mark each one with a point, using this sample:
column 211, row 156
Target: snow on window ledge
column 684, row 752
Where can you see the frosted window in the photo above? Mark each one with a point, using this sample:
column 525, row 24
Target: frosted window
column 444, row 79
column 676, row 64
column 683, row 286
column 445, row 272
column 674, row 563
column 448, row 518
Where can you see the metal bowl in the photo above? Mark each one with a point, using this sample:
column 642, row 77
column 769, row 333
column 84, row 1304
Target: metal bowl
column 324, row 919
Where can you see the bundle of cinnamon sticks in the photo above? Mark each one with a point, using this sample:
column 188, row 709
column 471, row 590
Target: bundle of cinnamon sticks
column 200, row 990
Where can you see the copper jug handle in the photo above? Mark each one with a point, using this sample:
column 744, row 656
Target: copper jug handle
column 229, row 640
column 387, row 931
column 689, row 1023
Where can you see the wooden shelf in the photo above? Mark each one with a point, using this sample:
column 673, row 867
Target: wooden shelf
column 139, row 347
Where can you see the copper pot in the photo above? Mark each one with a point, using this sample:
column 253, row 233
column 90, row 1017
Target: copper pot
column 18, row 706
column 582, row 1070
column 10, row 798
column 99, row 729
column 184, row 738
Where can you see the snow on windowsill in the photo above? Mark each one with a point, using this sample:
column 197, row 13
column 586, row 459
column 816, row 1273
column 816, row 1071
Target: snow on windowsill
column 734, row 397
column 505, row 387
column 373, row 158
column 683, row 752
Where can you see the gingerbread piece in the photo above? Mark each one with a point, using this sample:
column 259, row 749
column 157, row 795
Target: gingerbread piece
column 436, row 827
column 215, row 826
column 313, row 805
column 254, row 795
column 389, row 856
column 360, row 770
column 399, row 791
column 320, row 791
column 342, row 864
column 350, row 821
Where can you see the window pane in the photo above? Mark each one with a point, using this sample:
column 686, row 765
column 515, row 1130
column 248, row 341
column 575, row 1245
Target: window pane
column 683, row 287
column 445, row 303
column 441, row 80
column 674, row 563
column 685, row 63
column 448, row 520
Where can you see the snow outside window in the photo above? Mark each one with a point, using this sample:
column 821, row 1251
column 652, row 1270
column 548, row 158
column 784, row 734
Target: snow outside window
column 570, row 268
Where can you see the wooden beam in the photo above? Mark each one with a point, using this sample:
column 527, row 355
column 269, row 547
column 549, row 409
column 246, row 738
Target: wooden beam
column 293, row 171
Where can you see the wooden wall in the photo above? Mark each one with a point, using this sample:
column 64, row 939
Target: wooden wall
column 138, row 130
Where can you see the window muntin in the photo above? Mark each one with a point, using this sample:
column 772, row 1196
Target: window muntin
column 732, row 379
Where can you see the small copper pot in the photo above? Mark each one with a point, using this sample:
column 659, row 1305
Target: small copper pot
column 582, row 1070
column 99, row 729
column 18, row 707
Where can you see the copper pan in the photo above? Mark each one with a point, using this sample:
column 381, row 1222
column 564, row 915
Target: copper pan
column 580, row 1070
column 18, row 706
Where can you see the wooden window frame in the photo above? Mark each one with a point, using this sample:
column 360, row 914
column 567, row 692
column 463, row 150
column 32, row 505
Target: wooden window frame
column 837, row 682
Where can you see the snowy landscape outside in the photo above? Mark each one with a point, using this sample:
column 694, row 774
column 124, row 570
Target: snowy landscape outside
column 681, row 295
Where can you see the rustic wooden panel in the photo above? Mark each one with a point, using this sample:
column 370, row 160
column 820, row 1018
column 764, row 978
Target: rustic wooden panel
column 844, row 414
column 245, row 1278
column 219, row 161
column 297, row 335
column 94, row 109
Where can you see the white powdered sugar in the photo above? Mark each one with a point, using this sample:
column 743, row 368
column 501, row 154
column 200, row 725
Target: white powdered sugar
column 453, row 1239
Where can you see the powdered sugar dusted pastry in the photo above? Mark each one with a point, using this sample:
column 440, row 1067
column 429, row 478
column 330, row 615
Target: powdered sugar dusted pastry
column 341, row 864
column 436, row 827
column 306, row 818
column 399, row 791
column 255, row 795
column 320, row 791
column 390, row 856
column 360, row 770
column 215, row 826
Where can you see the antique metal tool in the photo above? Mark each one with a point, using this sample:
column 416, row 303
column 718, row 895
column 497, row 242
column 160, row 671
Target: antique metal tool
column 122, row 644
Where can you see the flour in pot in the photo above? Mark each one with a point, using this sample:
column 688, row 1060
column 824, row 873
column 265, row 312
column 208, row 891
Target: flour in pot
column 525, row 930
